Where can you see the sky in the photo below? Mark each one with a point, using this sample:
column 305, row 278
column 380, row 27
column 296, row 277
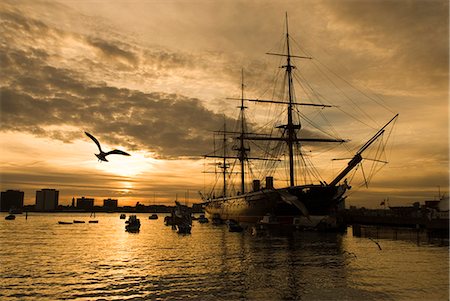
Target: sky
column 153, row 78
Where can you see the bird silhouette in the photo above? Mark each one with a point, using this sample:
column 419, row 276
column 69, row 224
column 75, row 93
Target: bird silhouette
column 376, row 242
column 102, row 155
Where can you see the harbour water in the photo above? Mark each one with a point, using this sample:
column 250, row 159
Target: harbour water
column 42, row 260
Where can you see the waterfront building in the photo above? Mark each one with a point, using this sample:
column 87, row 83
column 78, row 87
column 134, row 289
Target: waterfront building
column 85, row 203
column 11, row 199
column 110, row 204
column 47, row 199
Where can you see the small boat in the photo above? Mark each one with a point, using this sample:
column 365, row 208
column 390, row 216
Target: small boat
column 78, row 222
column 182, row 218
column 233, row 226
column 184, row 228
column 153, row 216
column 216, row 220
column 65, row 223
column 10, row 217
column 133, row 224
column 202, row 219
column 123, row 216
column 93, row 222
column 168, row 220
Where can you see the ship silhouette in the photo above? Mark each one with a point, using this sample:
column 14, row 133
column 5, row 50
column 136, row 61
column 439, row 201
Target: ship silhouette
column 313, row 205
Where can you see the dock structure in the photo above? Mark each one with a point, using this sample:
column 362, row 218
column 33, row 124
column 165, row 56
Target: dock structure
column 398, row 221
column 432, row 217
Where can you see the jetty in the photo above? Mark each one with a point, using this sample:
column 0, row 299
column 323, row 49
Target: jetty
column 432, row 216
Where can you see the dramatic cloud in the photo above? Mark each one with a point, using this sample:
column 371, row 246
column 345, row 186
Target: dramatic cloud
column 43, row 99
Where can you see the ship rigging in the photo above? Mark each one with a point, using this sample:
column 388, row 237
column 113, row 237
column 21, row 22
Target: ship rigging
column 294, row 199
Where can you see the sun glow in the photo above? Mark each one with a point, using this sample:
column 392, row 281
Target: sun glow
column 125, row 187
column 126, row 166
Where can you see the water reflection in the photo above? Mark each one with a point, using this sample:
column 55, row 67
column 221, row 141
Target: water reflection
column 43, row 260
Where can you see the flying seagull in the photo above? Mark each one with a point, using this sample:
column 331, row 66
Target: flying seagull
column 102, row 155
column 379, row 247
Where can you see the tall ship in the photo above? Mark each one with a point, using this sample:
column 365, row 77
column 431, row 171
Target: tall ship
column 280, row 145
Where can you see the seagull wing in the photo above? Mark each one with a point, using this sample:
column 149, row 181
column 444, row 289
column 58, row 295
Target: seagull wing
column 95, row 140
column 117, row 152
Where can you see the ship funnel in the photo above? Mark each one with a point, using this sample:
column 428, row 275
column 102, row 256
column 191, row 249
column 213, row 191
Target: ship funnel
column 256, row 185
column 269, row 182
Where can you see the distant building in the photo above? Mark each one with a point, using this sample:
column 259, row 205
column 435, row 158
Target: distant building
column 47, row 199
column 432, row 204
column 11, row 199
column 110, row 204
column 85, row 203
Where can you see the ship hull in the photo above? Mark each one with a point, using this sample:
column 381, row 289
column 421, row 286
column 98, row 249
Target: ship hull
column 318, row 200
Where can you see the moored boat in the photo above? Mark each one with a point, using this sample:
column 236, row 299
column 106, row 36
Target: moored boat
column 182, row 219
column 153, row 216
column 307, row 199
column 168, row 220
column 234, row 226
column 184, row 228
column 203, row 219
column 10, row 217
column 133, row 224
column 216, row 220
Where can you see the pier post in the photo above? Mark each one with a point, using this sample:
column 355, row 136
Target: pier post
column 356, row 230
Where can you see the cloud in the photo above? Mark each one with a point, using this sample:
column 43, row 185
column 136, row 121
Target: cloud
column 411, row 35
column 39, row 96
column 113, row 52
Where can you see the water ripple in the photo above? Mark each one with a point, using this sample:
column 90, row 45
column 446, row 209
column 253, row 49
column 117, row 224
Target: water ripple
column 44, row 261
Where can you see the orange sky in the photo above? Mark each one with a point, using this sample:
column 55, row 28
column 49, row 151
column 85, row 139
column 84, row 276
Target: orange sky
column 152, row 78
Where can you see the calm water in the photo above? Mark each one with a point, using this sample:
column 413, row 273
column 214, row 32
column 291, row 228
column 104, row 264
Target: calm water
column 42, row 260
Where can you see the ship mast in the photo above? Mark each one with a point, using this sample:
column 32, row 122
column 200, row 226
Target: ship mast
column 242, row 149
column 290, row 126
column 290, row 129
column 224, row 164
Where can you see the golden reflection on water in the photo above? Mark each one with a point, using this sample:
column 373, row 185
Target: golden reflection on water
column 400, row 265
column 43, row 260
